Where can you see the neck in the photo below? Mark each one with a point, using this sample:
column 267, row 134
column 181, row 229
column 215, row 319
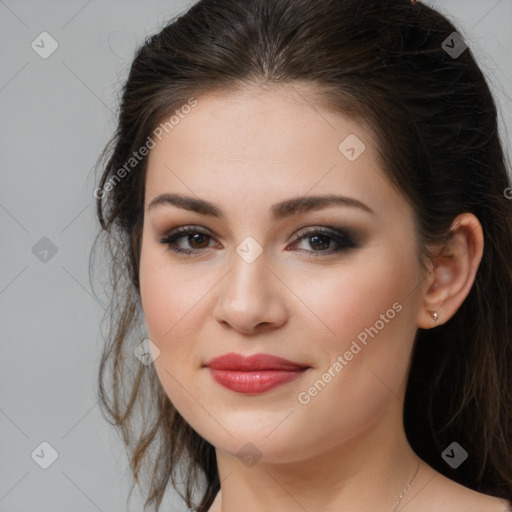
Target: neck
column 369, row 472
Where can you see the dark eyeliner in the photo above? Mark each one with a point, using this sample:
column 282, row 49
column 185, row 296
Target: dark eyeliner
column 178, row 233
column 341, row 236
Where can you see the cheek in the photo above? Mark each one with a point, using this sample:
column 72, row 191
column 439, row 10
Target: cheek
column 163, row 307
column 156, row 303
column 166, row 301
column 368, row 319
column 166, row 296
column 174, row 314
column 344, row 303
column 368, row 353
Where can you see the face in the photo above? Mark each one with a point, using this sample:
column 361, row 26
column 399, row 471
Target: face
column 334, row 288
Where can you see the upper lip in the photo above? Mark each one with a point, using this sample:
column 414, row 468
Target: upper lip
column 233, row 361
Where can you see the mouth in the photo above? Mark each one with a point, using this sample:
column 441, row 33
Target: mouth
column 253, row 374
column 239, row 362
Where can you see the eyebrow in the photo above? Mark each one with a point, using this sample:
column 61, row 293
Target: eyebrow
column 278, row 211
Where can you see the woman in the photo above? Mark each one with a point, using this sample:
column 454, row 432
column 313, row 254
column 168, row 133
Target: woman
column 306, row 205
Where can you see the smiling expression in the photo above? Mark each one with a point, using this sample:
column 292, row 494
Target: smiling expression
column 271, row 266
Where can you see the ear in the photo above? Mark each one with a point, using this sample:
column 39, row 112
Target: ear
column 453, row 273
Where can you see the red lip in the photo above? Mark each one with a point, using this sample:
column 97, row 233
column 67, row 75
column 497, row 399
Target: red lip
column 253, row 362
column 253, row 374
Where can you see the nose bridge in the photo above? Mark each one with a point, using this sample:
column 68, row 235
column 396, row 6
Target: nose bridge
column 249, row 295
column 248, row 281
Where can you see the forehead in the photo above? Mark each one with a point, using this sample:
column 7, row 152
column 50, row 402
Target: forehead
column 286, row 120
column 263, row 144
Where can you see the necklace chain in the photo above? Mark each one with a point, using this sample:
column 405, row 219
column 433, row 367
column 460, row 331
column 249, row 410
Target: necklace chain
column 407, row 487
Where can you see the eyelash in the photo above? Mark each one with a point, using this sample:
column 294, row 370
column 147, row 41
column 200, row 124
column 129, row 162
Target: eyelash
column 344, row 240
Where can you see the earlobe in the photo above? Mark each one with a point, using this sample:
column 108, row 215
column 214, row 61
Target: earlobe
column 428, row 318
column 435, row 316
column 429, row 315
column 438, row 293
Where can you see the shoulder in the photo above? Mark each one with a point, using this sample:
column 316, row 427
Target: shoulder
column 438, row 492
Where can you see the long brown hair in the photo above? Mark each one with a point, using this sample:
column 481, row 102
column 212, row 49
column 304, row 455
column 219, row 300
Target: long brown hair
column 391, row 65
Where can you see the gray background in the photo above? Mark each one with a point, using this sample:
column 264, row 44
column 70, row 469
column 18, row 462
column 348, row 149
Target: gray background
column 57, row 114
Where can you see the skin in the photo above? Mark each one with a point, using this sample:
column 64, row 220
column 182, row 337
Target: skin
column 346, row 449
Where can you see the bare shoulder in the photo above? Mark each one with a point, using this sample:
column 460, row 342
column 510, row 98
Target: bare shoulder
column 438, row 493
column 434, row 492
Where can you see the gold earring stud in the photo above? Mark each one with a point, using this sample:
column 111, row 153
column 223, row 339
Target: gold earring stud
column 435, row 316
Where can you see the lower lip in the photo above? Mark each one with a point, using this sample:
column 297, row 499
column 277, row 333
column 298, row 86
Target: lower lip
column 257, row 381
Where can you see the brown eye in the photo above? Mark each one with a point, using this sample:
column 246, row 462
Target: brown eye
column 197, row 239
column 321, row 239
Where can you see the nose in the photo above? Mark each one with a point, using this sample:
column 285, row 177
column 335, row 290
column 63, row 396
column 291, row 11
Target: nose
column 252, row 297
